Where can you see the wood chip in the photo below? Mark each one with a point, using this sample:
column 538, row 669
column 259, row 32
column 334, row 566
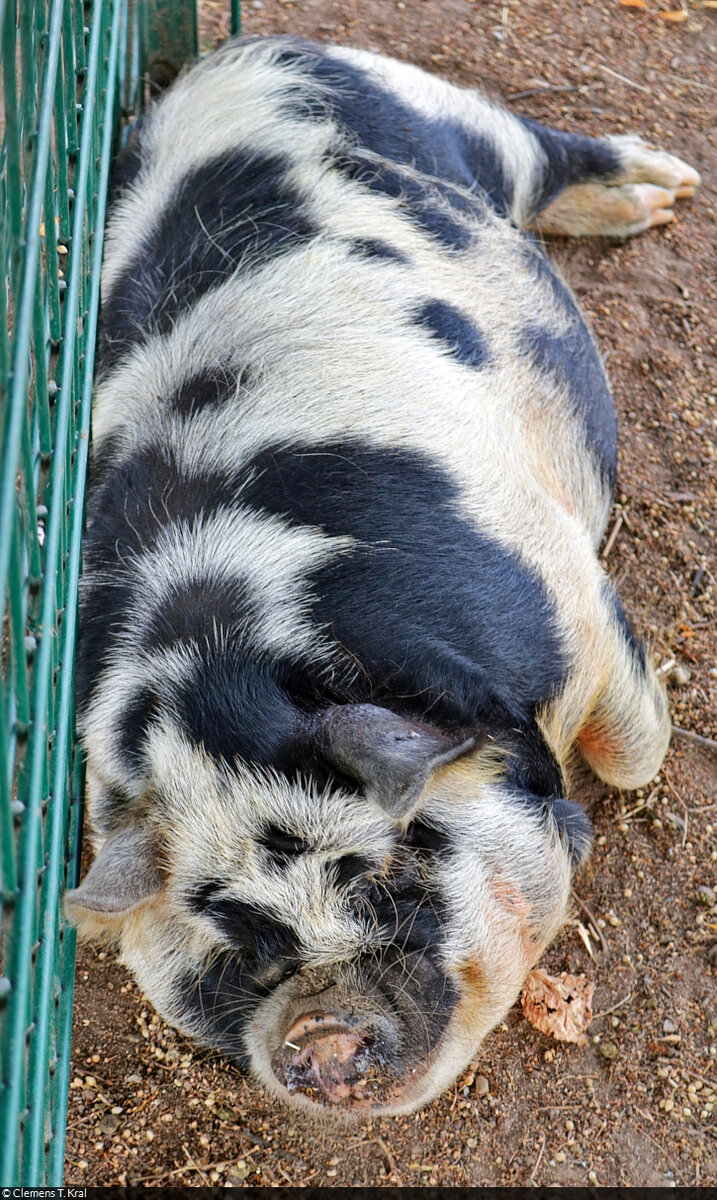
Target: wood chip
column 559, row 1005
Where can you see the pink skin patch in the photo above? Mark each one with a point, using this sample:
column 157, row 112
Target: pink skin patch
column 599, row 748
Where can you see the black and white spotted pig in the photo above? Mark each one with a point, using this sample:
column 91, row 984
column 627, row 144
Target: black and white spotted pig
column 343, row 625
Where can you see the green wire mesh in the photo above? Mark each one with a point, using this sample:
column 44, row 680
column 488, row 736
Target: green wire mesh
column 70, row 71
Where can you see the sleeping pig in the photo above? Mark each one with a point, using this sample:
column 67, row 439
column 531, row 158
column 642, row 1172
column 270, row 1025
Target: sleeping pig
column 344, row 629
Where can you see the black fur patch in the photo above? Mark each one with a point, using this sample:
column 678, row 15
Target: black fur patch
column 349, row 868
column 409, row 917
column 434, row 207
column 574, row 826
column 234, row 708
column 103, row 609
column 260, row 938
column 455, row 330
column 219, row 1002
column 130, row 504
column 412, row 980
column 237, row 208
column 385, row 123
column 111, row 806
column 374, row 248
column 573, row 358
column 427, row 839
column 204, row 610
column 128, row 163
column 210, row 389
column 201, row 896
column 532, row 769
column 439, row 620
column 134, row 725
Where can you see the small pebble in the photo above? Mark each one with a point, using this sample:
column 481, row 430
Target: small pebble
column 705, row 896
column 609, row 1050
column 109, row 1124
column 668, row 1027
column 679, row 675
column 482, row 1086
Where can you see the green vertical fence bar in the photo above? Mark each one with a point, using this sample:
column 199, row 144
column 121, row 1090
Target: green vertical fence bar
column 71, row 70
column 235, row 26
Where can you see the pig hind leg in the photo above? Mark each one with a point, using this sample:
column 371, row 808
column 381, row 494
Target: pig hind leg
column 625, row 737
column 636, row 188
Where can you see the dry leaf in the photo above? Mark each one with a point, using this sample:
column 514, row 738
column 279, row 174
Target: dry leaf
column 675, row 14
column 559, row 1005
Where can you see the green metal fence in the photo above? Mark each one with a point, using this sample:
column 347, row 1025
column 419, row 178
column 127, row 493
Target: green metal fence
column 72, row 71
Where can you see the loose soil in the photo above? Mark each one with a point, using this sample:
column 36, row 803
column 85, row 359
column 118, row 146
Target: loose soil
column 636, row 1105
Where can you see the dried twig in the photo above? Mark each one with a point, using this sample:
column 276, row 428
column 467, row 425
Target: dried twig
column 390, row 1160
column 542, row 90
column 538, row 1161
column 697, row 738
column 195, row 1167
column 613, row 536
column 189, row 1165
column 705, row 87
column 593, row 922
column 679, row 800
column 622, row 78
column 614, row 1008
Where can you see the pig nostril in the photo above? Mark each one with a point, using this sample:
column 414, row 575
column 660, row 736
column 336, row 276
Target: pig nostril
column 334, row 1058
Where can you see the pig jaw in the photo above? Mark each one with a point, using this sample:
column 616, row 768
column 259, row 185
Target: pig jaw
column 361, row 1064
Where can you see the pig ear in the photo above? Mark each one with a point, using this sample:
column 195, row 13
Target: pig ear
column 575, row 829
column 390, row 756
column 123, row 875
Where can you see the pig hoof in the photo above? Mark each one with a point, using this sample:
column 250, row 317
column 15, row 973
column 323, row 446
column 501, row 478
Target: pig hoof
column 643, row 194
column 642, row 164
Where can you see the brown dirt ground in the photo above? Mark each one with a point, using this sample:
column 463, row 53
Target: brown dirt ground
column 636, row 1106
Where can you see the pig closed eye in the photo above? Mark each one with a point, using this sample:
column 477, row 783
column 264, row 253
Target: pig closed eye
column 271, row 977
column 283, row 846
column 349, row 869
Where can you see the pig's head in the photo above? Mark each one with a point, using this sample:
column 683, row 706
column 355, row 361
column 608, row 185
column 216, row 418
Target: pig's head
column 352, row 944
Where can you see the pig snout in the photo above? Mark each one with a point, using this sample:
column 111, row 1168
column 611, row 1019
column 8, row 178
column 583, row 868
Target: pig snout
column 334, row 1058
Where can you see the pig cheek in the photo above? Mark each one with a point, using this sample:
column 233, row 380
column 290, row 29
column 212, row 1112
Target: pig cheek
column 514, row 903
column 153, row 938
column 489, row 979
